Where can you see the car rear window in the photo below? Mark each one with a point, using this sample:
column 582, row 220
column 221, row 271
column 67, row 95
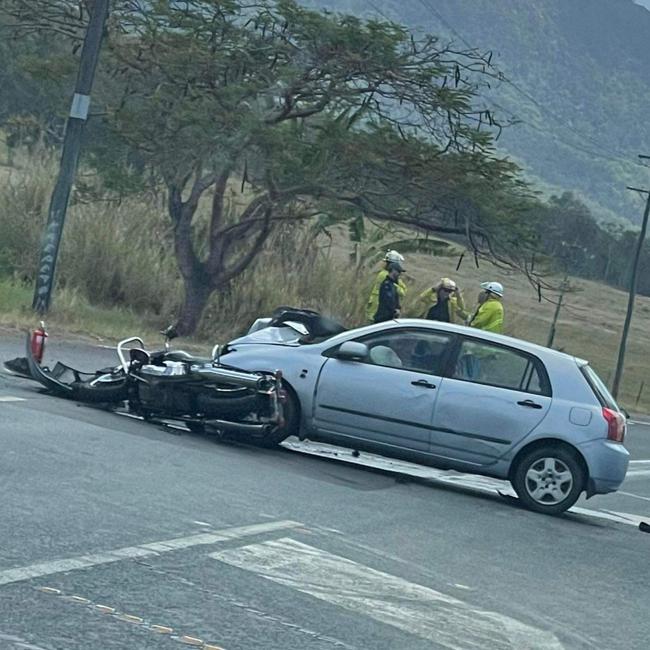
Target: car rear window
column 482, row 362
column 598, row 386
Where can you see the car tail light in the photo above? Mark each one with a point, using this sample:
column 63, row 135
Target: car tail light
column 616, row 425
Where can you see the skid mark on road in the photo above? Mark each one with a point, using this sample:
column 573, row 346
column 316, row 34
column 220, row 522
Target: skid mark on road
column 386, row 598
column 20, row 574
column 131, row 619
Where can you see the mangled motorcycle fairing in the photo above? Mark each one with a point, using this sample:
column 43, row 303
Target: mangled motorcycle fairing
column 174, row 385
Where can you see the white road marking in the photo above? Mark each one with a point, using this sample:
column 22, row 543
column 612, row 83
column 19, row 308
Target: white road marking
column 638, row 468
column 19, row 574
column 610, row 515
column 483, row 484
column 638, row 422
column 11, row 398
column 388, row 599
column 635, row 473
column 636, row 496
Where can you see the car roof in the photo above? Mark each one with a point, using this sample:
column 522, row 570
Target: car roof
column 525, row 346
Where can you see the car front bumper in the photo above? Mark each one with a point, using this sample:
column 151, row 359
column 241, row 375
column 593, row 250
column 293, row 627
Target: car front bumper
column 607, row 463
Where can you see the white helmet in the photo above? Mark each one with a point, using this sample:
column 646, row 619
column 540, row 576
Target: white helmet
column 393, row 256
column 493, row 287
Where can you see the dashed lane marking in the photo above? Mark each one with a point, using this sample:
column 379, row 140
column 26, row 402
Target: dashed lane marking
column 140, row 621
column 20, row 574
column 386, row 598
column 11, row 398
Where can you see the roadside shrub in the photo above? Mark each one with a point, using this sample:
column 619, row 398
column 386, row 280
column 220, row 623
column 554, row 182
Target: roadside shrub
column 112, row 252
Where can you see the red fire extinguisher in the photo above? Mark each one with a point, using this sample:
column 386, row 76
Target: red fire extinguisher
column 39, row 335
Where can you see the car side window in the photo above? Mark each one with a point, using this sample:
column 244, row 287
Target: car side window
column 484, row 363
column 416, row 350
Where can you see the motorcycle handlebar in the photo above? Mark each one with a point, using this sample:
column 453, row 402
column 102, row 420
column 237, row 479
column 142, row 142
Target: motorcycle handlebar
column 120, row 354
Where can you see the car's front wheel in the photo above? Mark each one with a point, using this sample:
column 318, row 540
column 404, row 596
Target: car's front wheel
column 549, row 479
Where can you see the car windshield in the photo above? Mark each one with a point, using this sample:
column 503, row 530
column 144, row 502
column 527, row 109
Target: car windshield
column 599, row 387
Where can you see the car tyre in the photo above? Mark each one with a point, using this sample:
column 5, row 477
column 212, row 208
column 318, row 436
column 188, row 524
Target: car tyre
column 549, row 479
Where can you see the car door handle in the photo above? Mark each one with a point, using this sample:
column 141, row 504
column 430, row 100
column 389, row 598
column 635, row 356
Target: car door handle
column 530, row 404
column 423, row 383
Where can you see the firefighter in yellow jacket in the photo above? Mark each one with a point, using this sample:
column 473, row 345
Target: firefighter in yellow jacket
column 489, row 313
column 442, row 302
column 373, row 299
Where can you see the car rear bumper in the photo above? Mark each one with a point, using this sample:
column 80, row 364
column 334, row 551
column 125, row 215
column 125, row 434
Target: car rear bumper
column 607, row 463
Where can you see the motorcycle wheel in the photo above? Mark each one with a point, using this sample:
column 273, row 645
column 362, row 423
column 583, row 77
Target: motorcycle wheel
column 82, row 392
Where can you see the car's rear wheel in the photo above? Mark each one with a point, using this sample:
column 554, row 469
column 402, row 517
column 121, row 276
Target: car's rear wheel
column 549, row 479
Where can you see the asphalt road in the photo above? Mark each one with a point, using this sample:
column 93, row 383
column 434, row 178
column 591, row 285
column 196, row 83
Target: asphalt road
column 119, row 534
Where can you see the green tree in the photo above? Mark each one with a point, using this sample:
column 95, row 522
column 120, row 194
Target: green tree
column 311, row 113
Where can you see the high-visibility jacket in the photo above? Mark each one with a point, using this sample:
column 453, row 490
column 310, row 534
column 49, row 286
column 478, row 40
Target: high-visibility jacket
column 489, row 316
column 429, row 298
column 373, row 299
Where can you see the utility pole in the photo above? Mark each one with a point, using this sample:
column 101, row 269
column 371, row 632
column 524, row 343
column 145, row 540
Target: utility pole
column 70, row 156
column 558, row 307
column 632, row 292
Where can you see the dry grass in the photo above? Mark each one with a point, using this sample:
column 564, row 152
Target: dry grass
column 72, row 316
column 590, row 324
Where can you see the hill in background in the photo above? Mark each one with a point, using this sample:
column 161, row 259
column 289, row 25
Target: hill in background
column 578, row 82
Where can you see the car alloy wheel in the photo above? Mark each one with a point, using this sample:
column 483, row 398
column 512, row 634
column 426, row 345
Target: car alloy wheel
column 549, row 478
column 549, row 481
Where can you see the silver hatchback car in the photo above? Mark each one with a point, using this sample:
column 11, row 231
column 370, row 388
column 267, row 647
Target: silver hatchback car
column 450, row 397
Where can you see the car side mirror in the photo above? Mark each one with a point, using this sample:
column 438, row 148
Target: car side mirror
column 352, row 351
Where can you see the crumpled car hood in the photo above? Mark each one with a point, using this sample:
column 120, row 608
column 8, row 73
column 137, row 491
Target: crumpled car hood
column 270, row 336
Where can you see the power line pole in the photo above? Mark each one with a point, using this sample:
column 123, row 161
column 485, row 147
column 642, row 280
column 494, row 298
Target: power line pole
column 632, row 292
column 70, row 156
column 556, row 315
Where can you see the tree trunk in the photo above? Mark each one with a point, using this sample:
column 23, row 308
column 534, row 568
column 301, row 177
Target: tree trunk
column 197, row 294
